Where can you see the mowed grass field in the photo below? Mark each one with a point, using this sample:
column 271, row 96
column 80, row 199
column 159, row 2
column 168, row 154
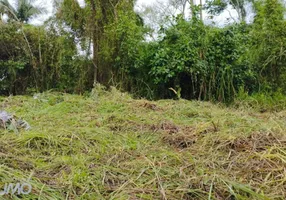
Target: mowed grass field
column 109, row 146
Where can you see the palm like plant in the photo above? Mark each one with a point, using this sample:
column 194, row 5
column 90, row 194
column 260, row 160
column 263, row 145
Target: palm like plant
column 22, row 12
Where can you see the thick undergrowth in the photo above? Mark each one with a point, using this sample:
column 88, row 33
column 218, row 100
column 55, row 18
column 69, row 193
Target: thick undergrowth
column 110, row 146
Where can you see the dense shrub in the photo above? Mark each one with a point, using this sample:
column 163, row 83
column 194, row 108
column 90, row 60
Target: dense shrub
column 45, row 60
column 198, row 62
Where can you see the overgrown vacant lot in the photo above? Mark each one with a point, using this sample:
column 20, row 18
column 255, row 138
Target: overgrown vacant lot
column 110, row 146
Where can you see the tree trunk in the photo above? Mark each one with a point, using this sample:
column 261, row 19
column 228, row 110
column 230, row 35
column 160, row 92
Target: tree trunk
column 184, row 9
column 95, row 40
column 192, row 7
column 201, row 10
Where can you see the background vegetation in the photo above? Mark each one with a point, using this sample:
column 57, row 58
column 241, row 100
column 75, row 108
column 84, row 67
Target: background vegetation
column 107, row 43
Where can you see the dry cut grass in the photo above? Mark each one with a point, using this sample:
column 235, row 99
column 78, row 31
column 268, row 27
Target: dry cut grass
column 110, row 146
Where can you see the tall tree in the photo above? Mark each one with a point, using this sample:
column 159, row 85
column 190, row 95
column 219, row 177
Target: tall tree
column 23, row 11
column 216, row 7
column 93, row 23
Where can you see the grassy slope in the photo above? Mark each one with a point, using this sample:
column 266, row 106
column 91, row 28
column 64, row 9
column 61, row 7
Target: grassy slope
column 113, row 147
